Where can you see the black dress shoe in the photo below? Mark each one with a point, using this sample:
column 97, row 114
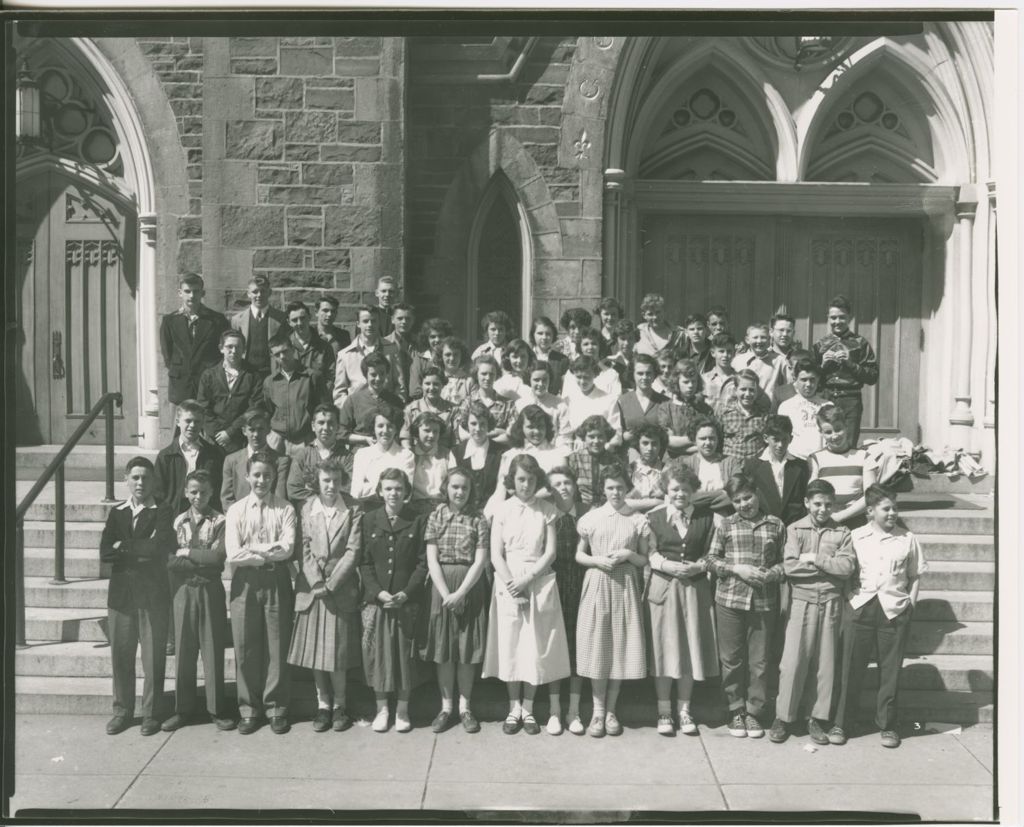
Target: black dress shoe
column 340, row 720
column 118, row 724
column 176, row 721
column 247, row 726
column 321, row 721
column 224, row 724
column 469, row 722
column 150, row 726
column 442, row 720
column 512, row 725
column 279, row 724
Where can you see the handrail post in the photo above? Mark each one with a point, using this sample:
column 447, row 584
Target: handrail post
column 19, row 584
column 109, row 498
column 58, row 527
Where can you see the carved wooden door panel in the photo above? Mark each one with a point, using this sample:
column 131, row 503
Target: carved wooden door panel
column 78, row 307
column 877, row 264
column 697, row 262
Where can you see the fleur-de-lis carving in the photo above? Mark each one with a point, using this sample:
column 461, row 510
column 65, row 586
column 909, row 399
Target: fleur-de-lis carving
column 73, row 252
column 92, row 252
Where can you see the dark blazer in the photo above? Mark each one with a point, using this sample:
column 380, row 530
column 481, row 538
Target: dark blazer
column 330, row 559
column 715, row 500
column 302, row 473
column 186, row 357
column 393, row 557
column 235, row 486
column 485, row 480
column 276, row 319
column 690, row 548
column 225, row 407
column 789, row 507
column 337, row 337
column 559, row 363
column 171, row 470
column 138, row 579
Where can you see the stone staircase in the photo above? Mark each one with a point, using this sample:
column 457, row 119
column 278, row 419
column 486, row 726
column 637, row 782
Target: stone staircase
column 948, row 673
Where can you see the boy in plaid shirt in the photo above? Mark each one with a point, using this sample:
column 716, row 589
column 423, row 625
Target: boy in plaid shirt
column 746, row 556
column 588, row 462
column 743, row 418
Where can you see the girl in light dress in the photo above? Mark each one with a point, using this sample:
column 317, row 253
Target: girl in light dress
column 432, row 385
column 609, row 627
column 538, row 393
column 455, row 363
column 458, row 544
column 526, row 643
column 606, row 378
column 686, row 405
column 517, row 360
column 430, row 463
column 646, row 462
column 485, row 373
column 532, row 432
column 678, row 606
column 325, row 635
column 543, row 336
column 371, row 460
column 431, row 341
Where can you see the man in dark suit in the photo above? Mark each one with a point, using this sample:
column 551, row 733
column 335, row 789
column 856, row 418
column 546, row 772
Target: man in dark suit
column 259, row 324
column 189, row 339
column 137, row 539
column 403, row 318
column 387, row 296
column 227, row 391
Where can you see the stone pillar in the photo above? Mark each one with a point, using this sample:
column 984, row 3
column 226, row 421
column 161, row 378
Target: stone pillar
column 961, row 417
column 614, row 279
column 992, row 341
column 148, row 325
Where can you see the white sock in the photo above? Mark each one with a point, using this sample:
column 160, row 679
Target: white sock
column 527, row 706
column 598, row 708
column 515, row 709
column 446, row 704
column 463, row 704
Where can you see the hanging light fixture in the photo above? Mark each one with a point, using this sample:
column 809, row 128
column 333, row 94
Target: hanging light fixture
column 810, row 47
column 28, row 111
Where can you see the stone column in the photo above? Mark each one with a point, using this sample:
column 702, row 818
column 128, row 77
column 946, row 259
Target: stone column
column 148, row 369
column 614, row 279
column 961, row 417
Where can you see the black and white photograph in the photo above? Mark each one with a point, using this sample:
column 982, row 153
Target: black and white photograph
column 535, row 418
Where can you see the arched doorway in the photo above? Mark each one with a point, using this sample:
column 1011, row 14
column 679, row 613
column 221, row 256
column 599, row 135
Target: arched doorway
column 85, row 283
column 740, row 182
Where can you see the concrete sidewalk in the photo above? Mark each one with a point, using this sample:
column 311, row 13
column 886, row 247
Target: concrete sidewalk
column 67, row 761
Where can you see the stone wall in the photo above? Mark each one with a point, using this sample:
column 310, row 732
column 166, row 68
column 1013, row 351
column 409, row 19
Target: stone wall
column 462, row 130
column 296, row 155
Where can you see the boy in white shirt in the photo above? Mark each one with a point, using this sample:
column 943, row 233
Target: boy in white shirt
column 802, row 410
column 260, row 540
column 883, row 595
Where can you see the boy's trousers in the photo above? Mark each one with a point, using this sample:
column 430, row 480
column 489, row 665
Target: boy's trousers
column 127, row 629
column 809, row 659
column 743, row 640
column 262, row 605
column 201, row 627
column 868, row 629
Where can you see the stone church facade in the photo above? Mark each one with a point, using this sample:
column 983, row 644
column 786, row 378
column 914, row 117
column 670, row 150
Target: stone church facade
column 529, row 174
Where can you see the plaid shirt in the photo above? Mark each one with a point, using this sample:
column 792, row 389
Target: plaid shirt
column 205, row 543
column 740, row 541
column 587, row 469
column 743, row 437
column 458, row 536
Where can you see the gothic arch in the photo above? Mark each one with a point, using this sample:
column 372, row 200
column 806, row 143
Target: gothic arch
column 952, row 146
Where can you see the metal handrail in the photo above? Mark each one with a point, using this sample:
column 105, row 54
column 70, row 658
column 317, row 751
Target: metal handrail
column 55, row 471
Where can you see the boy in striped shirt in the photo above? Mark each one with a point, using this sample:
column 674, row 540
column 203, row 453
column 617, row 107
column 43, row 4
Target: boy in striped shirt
column 849, row 469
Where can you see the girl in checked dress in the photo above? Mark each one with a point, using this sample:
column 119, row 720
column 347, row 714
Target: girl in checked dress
column 609, row 628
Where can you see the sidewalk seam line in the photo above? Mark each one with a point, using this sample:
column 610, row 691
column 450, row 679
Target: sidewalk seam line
column 430, row 765
column 139, row 773
column 714, row 774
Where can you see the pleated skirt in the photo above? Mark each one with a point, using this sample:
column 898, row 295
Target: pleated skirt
column 681, row 638
column 457, row 637
column 389, row 648
column 324, row 639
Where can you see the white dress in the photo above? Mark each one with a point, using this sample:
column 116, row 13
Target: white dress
column 526, row 642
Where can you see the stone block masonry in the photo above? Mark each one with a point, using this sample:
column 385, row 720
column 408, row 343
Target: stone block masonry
column 295, row 149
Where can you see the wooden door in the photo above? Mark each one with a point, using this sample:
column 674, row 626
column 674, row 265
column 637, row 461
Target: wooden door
column 76, row 308
column 876, row 263
column 697, row 262
column 754, row 264
column 499, row 270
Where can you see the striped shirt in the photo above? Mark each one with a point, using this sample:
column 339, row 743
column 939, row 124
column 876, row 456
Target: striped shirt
column 754, row 543
column 844, row 471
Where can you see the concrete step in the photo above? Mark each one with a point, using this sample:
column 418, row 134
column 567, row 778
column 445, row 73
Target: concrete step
column 959, row 575
column 57, row 695
column 77, row 534
column 937, row 673
column 963, row 606
column 76, row 594
column 78, row 563
column 964, row 547
column 950, row 638
column 941, row 484
column 948, row 514
column 83, row 501
column 85, row 462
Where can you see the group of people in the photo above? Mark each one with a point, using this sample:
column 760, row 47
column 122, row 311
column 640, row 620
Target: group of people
column 628, row 501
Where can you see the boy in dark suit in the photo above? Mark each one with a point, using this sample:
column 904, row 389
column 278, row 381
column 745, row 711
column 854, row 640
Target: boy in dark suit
column 259, row 323
column 136, row 541
column 235, row 484
column 227, row 391
column 189, row 339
